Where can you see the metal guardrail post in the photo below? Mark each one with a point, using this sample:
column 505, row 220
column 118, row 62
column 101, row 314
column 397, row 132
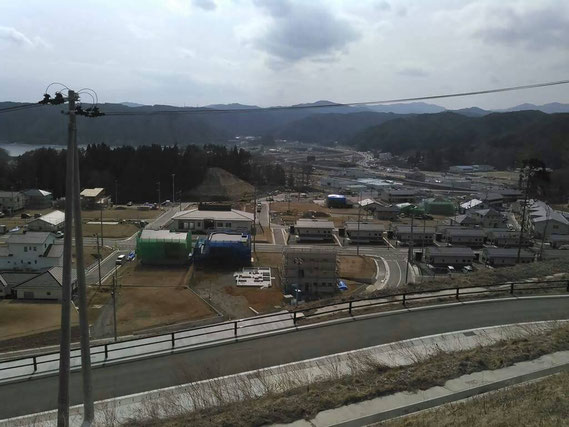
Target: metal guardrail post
column 404, row 298
column 457, row 292
column 173, row 340
column 35, row 364
column 350, row 308
column 294, row 315
column 511, row 288
column 567, row 285
column 235, row 328
column 106, row 352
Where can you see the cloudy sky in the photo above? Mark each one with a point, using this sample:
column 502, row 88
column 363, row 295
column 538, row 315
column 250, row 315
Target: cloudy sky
column 280, row 52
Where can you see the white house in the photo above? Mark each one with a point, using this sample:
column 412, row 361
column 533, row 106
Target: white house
column 547, row 221
column 31, row 251
column 53, row 221
column 11, row 201
column 46, row 285
column 419, row 234
column 364, row 232
column 203, row 220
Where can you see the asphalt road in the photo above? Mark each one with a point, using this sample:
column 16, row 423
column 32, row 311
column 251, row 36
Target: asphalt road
column 164, row 371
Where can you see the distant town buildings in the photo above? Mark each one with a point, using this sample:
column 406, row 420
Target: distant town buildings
column 53, row 222
column 94, row 198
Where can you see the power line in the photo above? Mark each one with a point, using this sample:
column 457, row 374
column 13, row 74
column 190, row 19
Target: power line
column 19, row 107
column 349, row 104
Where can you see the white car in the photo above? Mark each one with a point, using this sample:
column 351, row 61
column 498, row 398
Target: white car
column 121, row 259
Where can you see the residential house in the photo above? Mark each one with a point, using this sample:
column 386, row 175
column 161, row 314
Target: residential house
column 205, row 219
column 38, row 199
column 314, row 230
column 458, row 256
column 370, row 205
column 53, row 221
column 463, row 220
column 45, row 285
column 465, row 237
column 310, row 273
column 12, row 201
column 364, row 232
column 488, row 218
column 505, row 256
column 471, row 204
column 493, row 200
column 510, row 195
column 94, row 198
column 421, row 236
column 31, row 251
column 547, row 221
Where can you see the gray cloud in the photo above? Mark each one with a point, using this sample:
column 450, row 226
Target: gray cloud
column 533, row 29
column 412, row 71
column 13, row 36
column 205, row 4
column 303, row 30
column 382, row 5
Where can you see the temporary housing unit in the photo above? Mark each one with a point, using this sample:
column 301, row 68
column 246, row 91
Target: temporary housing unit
column 163, row 247
column 38, row 199
column 364, row 232
column 418, row 234
column 314, row 230
column 438, row 256
column 465, row 237
column 505, row 256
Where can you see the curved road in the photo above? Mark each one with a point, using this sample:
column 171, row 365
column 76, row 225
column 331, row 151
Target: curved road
column 163, row 371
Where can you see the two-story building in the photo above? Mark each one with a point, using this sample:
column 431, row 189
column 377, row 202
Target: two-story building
column 489, row 218
column 386, row 213
column 31, row 251
column 399, row 195
column 506, row 239
column 38, row 199
column 94, row 198
column 12, row 201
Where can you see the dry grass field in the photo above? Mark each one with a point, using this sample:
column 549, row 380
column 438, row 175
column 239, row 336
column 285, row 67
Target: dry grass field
column 19, row 318
column 110, row 231
column 357, row 268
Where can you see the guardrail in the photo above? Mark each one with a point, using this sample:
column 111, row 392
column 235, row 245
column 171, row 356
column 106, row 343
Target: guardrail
column 19, row 368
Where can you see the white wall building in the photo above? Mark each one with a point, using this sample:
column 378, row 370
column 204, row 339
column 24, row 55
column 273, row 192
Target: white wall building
column 31, row 251
column 314, row 230
column 199, row 220
column 11, row 201
column 53, row 221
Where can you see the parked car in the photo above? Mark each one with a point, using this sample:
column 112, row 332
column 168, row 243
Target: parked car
column 121, row 259
column 25, row 216
column 37, row 215
column 129, row 204
column 59, row 234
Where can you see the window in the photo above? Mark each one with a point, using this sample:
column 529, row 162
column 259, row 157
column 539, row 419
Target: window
column 220, row 224
column 25, row 249
column 48, row 293
column 35, row 248
column 228, row 225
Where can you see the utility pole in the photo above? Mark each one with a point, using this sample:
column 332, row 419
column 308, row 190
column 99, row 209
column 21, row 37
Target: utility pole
column 88, row 405
column 173, row 187
column 65, row 340
column 254, row 217
column 547, row 217
column 99, row 260
column 522, row 226
column 159, row 204
column 102, row 241
column 114, row 295
column 410, row 254
column 359, row 216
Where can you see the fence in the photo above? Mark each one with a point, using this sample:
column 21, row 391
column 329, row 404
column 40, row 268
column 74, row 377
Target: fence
column 16, row 369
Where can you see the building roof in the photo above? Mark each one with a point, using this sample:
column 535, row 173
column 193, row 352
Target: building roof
column 232, row 215
column 500, row 234
column 364, row 226
column 506, row 253
column 314, row 223
column 471, row 204
column 53, row 218
column 14, row 278
column 50, row 278
column 387, row 209
column 92, row 192
column 454, row 251
column 54, row 251
column 36, row 192
column 493, row 197
column 10, row 193
column 228, row 237
column 466, row 232
column 163, row 235
column 486, row 212
column 4, row 251
column 30, row 237
column 416, row 229
column 402, row 192
column 367, row 202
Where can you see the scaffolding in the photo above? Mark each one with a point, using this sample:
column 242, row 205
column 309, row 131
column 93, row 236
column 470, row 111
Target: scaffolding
column 161, row 247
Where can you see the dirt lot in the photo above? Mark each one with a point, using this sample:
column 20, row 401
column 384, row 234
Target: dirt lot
column 219, row 288
column 115, row 214
column 150, row 297
column 26, row 318
column 357, row 268
column 15, row 221
column 111, row 231
column 90, row 254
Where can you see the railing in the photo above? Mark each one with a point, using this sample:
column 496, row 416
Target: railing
column 14, row 369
